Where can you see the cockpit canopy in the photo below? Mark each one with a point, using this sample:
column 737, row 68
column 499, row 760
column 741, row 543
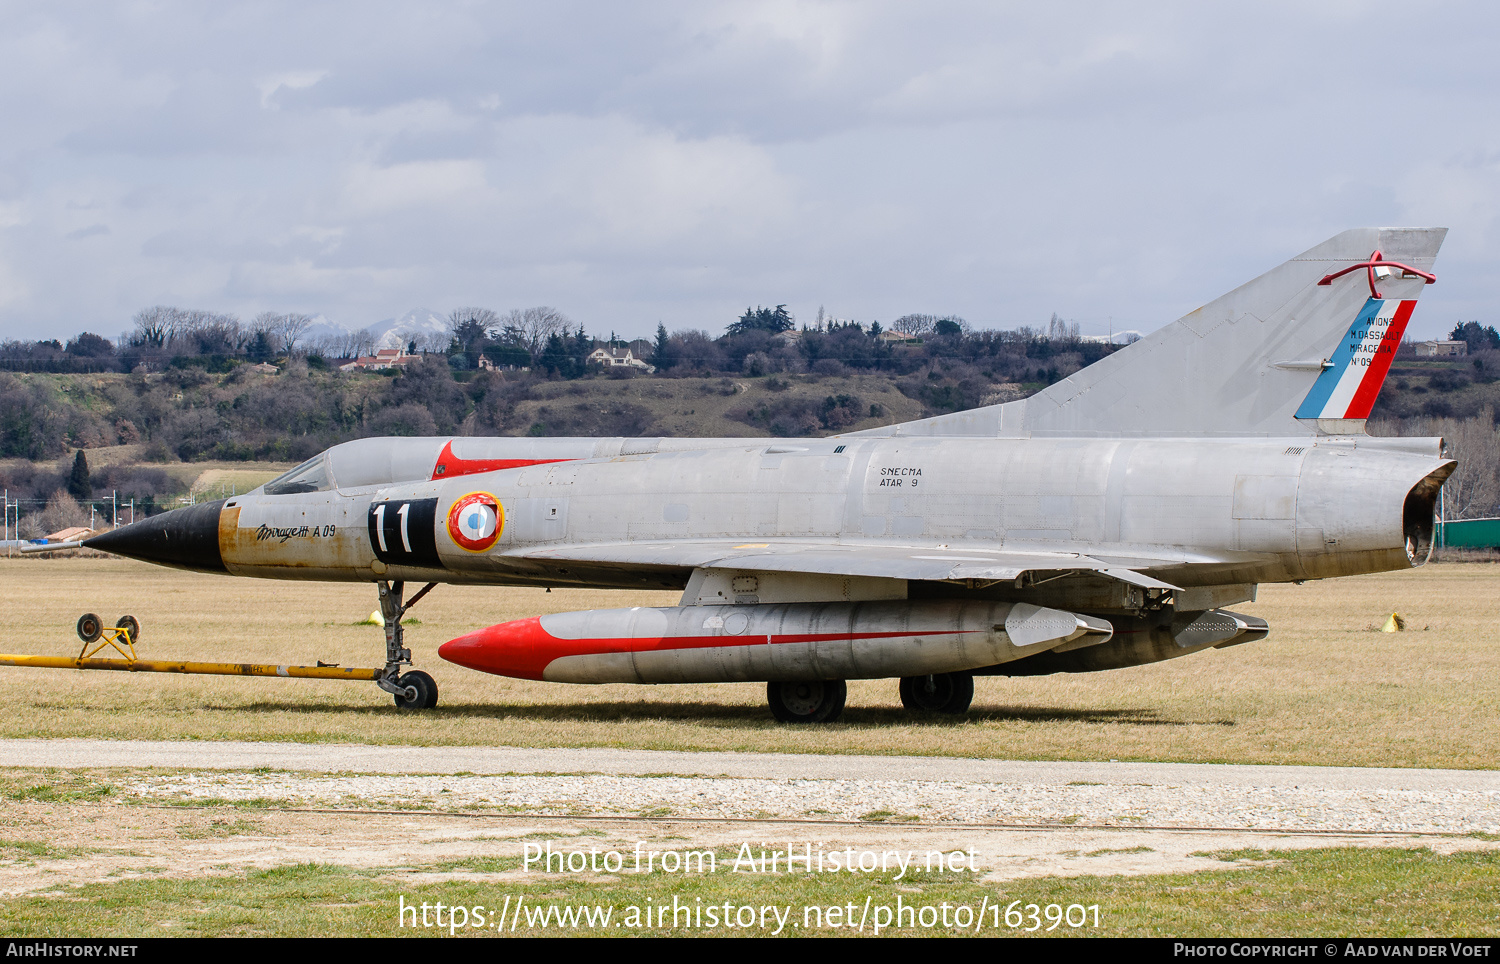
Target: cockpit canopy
column 371, row 461
column 314, row 475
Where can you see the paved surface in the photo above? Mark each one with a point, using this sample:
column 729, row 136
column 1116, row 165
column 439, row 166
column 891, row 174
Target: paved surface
column 745, row 786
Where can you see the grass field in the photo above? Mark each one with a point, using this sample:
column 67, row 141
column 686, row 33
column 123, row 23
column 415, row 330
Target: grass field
column 1325, row 688
column 1363, row 893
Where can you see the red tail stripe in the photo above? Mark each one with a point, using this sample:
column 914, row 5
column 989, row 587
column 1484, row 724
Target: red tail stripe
column 1364, row 396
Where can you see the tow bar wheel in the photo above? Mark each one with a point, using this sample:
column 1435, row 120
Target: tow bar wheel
column 131, row 626
column 90, row 627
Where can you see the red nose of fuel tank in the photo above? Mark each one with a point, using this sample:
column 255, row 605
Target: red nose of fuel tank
column 520, row 649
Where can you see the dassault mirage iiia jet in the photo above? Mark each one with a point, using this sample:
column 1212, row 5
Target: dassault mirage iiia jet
column 1101, row 523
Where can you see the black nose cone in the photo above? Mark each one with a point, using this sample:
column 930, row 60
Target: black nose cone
column 183, row 538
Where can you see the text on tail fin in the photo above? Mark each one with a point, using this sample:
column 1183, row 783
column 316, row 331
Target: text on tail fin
column 1355, row 372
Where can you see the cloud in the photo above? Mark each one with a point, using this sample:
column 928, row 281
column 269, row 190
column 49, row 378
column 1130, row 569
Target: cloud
column 93, row 230
column 433, row 185
column 675, row 161
column 289, row 80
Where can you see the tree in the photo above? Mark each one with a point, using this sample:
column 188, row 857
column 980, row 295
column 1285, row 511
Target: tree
column 281, row 331
column 1478, row 338
column 917, row 325
column 1060, row 329
column 553, row 359
column 90, row 345
column 914, row 326
column 775, row 320
column 472, row 327
column 79, row 485
column 260, row 348
column 535, row 327
column 62, row 512
column 153, row 326
column 661, row 356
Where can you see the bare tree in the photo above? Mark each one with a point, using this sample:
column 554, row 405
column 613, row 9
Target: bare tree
column 1473, row 490
column 349, row 345
column 535, row 325
column 292, row 329
column 62, row 511
column 281, row 330
column 188, row 330
column 470, row 328
column 154, row 326
column 486, row 320
column 914, row 326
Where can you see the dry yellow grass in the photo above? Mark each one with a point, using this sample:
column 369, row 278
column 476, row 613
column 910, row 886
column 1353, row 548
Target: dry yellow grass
column 1324, row 689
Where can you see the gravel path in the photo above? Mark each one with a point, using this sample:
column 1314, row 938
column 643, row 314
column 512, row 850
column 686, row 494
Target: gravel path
column 411, row 810
column 738, row 785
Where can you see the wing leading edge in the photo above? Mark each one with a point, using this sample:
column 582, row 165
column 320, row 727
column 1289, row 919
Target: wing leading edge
column 870, row 561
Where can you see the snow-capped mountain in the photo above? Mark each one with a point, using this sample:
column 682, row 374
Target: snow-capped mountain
column 422, row 325
column 416, row 325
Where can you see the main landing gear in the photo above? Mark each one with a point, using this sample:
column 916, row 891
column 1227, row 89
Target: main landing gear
column 414, row 690
column 938, row 693
column 818, row 701
column 821, row 701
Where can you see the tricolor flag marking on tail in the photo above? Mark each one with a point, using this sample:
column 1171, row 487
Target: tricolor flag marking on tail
column 1347, row 388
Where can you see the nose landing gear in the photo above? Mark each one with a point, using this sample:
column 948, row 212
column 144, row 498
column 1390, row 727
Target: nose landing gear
column 414, row 690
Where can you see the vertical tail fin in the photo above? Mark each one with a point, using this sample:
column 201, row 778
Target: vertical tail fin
column 1265, row 359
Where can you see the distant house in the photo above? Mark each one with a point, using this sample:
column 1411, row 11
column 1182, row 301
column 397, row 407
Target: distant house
column 1442, row 349
column 382, row 359
column 69, row 534
column 618, row 357
column 264, row 369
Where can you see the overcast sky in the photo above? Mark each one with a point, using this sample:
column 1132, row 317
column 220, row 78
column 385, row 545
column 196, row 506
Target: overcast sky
column 630, row 164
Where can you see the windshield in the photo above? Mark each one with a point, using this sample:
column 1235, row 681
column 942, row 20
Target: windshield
column 314, row 475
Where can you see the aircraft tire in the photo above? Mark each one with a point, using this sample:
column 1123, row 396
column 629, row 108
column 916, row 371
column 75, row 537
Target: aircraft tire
column 132, row 627
column 90, row 627
column 814, row 701
column 426, row 687
column 948, row 693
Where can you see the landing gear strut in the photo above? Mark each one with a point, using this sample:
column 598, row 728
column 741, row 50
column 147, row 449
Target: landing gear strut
column 938, row 693
column 816, row 701
column 415, row 690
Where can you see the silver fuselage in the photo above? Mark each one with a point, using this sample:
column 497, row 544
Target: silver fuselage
column 1202, row 512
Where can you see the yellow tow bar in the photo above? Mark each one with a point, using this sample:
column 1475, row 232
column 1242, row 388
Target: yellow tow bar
column 121, row 639
column 174, row 666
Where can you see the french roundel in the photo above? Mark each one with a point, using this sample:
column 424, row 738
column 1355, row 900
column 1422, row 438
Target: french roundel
column 475, row 521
